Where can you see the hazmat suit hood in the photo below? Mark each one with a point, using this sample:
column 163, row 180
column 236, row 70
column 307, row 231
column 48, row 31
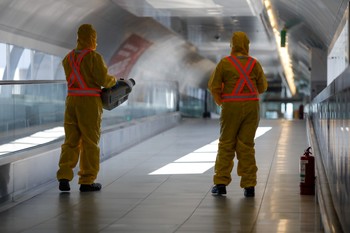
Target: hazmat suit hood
column 86, row 37
column 240, row 43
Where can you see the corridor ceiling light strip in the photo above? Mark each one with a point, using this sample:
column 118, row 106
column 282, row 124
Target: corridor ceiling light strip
column 198, row 161
column 35, row 139
column 282, row 51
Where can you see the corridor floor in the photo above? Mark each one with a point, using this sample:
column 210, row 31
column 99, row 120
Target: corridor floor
column 163, row 185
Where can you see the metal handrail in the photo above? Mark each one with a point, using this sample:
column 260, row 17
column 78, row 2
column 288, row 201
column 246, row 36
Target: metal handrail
column 26, row 82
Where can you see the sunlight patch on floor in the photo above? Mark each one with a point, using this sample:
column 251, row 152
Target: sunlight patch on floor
column 198, row 161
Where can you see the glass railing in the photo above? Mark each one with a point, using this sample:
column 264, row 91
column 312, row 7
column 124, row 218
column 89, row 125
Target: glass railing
column 27, row 108
column 32, row 112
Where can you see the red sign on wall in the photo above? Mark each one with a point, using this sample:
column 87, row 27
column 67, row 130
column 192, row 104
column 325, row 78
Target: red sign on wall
column 126, row 56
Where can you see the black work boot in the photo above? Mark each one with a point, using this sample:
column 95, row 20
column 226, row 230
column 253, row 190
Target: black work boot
column 64, row 185
column 218, row 189
column 90, row 187
column 249, row 192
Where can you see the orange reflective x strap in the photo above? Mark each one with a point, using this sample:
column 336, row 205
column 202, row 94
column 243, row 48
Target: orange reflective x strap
column 76, row 77
column 244, row 80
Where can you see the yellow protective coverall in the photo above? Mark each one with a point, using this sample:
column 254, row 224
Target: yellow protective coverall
column 83, row 114
column 239, row 119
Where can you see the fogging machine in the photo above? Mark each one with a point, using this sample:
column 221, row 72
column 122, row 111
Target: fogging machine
column 118, row 94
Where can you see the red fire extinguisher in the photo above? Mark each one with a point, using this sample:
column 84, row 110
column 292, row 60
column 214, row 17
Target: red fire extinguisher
column 307, row 173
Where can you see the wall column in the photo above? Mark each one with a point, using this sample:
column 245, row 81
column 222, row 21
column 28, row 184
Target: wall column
column 318, row 71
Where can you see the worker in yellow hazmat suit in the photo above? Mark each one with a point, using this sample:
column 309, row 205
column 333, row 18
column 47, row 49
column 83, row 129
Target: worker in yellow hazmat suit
column 86, row 73
column 235, row 85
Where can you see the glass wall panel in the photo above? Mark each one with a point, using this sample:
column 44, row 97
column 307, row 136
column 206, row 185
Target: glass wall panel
column 58, row 72
column 22, row 70
column 3, row 60
column 46, row 68
column 329, row 114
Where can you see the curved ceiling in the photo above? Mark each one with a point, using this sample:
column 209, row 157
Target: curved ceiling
column 207, row 24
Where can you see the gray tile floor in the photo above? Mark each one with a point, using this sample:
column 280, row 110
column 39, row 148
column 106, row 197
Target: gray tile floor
column 133, row 200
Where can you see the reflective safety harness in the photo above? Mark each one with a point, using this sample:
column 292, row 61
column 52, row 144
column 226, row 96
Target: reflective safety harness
column 77, row 78
column 244, row 80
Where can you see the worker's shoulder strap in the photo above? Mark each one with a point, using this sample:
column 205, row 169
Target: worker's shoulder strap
column 75, row 57
column 243, row 70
